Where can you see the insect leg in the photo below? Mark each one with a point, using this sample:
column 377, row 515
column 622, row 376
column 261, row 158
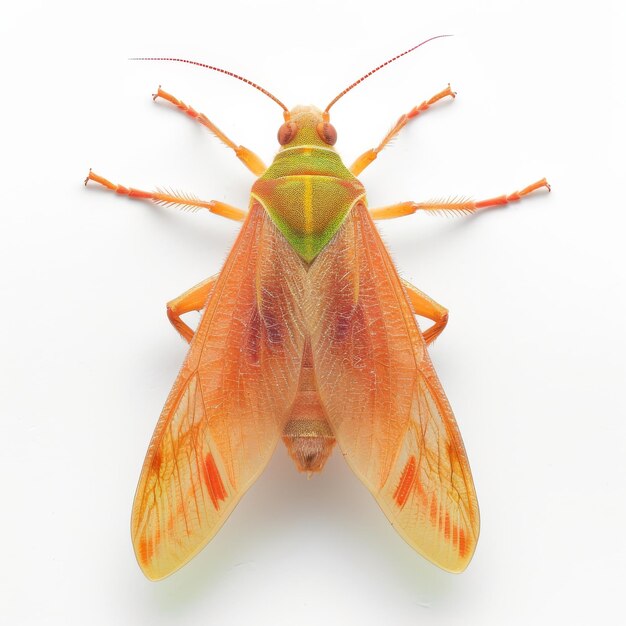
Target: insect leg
column 184, row 201
column 193, row 299
column 460, row 206
column 247, row 157
column 370, row 155
column 426, row 307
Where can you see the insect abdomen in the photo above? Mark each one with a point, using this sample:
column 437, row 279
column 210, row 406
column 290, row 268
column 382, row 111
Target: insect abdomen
column 307, row 433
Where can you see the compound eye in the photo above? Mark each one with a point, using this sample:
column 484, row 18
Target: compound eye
column 286, row 133
column 327, row 133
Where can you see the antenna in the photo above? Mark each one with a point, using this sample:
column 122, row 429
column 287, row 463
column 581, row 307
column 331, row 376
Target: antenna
column 217, row 69
column 354, row 84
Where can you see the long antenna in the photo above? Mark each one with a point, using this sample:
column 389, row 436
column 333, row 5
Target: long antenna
column 355, row 83
column 217, row 69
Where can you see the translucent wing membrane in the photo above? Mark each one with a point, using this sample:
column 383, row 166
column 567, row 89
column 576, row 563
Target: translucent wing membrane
column 223, row 417
column 383, row 399
column 366, row 361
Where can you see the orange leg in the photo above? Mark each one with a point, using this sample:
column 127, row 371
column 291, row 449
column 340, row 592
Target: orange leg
column 193, row 299
column 461, row 206
column 426, row 307
column 166, row 199
column 247, row 157
column 370, row 155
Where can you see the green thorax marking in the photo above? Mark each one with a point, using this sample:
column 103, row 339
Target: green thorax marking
column 308, row 192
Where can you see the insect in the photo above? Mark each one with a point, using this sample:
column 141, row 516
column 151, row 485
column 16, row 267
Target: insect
column 308, row 335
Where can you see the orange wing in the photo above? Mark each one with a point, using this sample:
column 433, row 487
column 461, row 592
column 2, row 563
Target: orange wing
column 385, row 404
column 222, row 419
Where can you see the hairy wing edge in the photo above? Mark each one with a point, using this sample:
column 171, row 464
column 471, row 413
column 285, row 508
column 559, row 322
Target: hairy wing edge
column 219, row 425
column 424, row 484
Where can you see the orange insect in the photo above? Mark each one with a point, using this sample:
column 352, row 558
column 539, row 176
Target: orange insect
column 309, row 335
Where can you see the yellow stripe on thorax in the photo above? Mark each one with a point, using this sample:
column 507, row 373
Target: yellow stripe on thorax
column 308, row 211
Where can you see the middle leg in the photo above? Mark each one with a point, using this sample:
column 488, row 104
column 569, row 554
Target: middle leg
column 459, row 206
column 184, row 201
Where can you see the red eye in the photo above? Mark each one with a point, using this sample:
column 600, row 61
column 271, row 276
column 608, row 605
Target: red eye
column 327, row 133
column 286, row 133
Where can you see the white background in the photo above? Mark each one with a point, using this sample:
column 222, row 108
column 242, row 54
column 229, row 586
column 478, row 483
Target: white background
column 532, row 359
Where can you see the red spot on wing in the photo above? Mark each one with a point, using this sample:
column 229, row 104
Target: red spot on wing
column 421, row 492
column 434, row 510
column 155, row 465
column 438, row 517
column 462, row 543
column 213, row 481
column 452, row 532
column 409, row 481
column 403, row 489
column 146, row 550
